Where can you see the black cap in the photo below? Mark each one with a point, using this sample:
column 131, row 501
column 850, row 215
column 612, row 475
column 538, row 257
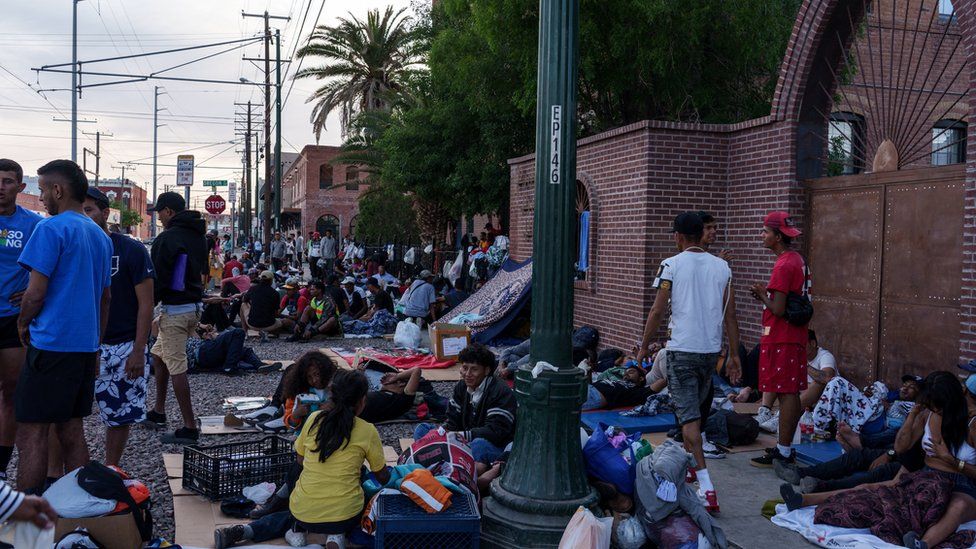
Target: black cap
column 98, row 196
column 912, row 377
column 169, row 200
column 688, row 223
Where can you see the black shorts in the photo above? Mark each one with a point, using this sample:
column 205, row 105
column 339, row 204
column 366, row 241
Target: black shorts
column 8, row 332
column 55, row 387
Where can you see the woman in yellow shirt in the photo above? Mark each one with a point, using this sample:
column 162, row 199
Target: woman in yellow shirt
column 328, row 497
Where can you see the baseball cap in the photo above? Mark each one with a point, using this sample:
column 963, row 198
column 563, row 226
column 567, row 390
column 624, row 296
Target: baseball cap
column 688, row 223
column 169, row 200
column 912, row 377
column 98, row 196
column 349, row 280
column 266, row 275
column 782, row 222
column 426, row 274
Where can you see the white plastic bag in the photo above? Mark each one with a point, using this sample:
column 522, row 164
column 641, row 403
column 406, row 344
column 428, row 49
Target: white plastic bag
column 428, row 249
column 409, row 257
column 455, row 271
column 407, row 335
column 260, row 493
column 25, row 535
column 630, row 534
column 586, row 531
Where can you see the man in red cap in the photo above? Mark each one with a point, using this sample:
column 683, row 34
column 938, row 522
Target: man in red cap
column 782, row 347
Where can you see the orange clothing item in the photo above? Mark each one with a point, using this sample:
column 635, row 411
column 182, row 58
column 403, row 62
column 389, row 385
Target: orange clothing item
column 424, row 490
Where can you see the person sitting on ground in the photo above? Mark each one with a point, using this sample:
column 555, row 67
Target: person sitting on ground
column 236, row 283
column 942, row 421
column 310, row 375
column 357, row 305
column 264, row 301
column 385, row 279
column 456, row 296
column 482, row 408
column 631, row 390
column 293, row 303
column 320, row 318
column 395, row 398
column 230, row 264
column 381, row 300
column 378, row 320
column 821, row 368
column 247, row 261
column 881, row 432
column 513, row 358
column 328, row 497
column 420, row 300
column 223, row 351
column 338, row 296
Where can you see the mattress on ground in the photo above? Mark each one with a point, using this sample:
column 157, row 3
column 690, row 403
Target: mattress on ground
column 815, row 453
column 643, row 424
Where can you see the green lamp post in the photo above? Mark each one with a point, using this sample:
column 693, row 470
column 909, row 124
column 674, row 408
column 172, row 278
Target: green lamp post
column 544, row 482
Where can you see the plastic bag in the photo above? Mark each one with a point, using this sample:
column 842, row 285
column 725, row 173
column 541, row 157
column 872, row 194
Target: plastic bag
column 630, row 534
column 407, row 335
column 586, row 531
column 454, row 272
column 410, row 257
column 259, row 493
column 26, row 535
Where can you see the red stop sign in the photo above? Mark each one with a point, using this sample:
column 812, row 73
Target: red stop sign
column 215, row 204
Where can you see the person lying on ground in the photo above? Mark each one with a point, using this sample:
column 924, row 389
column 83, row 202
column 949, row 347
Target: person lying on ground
column 843, row 404
column 328, row 497
column 821, row 368
column 395, row 398
column 943, row 421
column 321, row 317
column 223, row 351
column 482, row 407
column 739, row 392
column 632, row 390
column 513, row 358
column 881, row 432
column 264, row 301
column 308, row 377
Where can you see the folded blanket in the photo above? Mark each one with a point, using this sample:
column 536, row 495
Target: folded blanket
column 916, row 502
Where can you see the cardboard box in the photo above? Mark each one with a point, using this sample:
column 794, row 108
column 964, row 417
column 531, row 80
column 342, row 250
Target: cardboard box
column 114, row 532
column 447, row 340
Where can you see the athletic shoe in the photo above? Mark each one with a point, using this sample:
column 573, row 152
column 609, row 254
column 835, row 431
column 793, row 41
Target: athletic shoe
column 260, row 415
column 155, row 420
column 227, row 537
column 181, row 436
column 265, row 368
column 771, row 425
column 809, row 485
column 787, row 471
column 709, row 499
column 276, row 425
column 764, row 414
column 295, row 539
column 911, row 539
column 792, row 498
column 335, row 541
column 771, row 455
column 711, row 451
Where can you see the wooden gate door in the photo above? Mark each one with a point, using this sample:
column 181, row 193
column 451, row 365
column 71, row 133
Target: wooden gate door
column 885, row 253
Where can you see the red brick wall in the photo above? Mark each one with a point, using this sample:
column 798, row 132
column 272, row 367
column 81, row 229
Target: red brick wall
column 301, row 184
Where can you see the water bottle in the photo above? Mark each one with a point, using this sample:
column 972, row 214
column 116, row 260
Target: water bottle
column 806, row 427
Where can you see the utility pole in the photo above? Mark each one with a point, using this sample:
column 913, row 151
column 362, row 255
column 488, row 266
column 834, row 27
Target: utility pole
column 152, row 225
column 544, row 482
column 246, row 190
column 74, row 80
column 98, row 153
column 277, row 180
column 267, row 121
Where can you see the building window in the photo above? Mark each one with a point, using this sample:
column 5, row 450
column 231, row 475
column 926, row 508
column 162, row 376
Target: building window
column 325, row 176
column 111, row 195
column 948, row 142
column 845, row 144
column 126, row 198
column 328, row 223
column 946, row 11
column 583, row 220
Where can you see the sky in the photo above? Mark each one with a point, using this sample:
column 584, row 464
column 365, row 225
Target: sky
column 198, row 116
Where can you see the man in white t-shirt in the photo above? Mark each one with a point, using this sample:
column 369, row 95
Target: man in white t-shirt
column 821, row 366
column 697, row 285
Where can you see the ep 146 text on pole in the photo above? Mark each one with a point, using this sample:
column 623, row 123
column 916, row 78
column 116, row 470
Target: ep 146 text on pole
column 555, row 126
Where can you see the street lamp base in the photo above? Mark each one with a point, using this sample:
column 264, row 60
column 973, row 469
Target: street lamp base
column 512, row 521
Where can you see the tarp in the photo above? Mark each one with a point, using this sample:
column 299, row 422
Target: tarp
column 493, row 307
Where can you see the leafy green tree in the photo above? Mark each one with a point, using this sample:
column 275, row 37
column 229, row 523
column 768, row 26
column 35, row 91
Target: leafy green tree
column 364, row 60
column 385, row 215
column 128, row 217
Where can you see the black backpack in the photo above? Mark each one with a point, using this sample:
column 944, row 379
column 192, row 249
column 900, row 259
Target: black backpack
column 105, row 483
column 730, row 428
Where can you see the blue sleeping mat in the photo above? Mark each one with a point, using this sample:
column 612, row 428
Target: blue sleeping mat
column 643, row 424
column 815, row 453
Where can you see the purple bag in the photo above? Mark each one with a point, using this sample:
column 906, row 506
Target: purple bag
column 604, row 462
column 178, row 282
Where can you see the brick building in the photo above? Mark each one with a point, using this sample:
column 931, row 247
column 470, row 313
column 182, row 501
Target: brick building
column 317, row 195
column 133, row 196
column 891, row 243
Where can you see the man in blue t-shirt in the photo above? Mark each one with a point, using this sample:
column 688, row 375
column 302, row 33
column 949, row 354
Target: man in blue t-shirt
column 123, row 368
column 16, row 226
column 420, row 299
column 63, row 315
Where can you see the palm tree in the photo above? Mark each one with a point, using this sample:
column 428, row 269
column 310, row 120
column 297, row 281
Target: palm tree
column 365, row 61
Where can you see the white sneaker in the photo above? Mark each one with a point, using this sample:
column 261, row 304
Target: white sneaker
column 763, row 415
column 276, row 425
column 711, row 451
column 261, row 414
column 335, row 541
column 295, row 539
column 771, row 425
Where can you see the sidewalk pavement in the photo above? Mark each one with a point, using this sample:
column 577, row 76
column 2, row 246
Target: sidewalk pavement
column 742, row 490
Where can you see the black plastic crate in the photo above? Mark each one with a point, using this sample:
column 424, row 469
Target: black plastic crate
column 402, row 524
column 224, row 470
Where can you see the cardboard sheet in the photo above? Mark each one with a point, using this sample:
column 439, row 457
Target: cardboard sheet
column 173, row 463
column 749, row 408
column 390, row 454
column 214, row 425
column 405, row 443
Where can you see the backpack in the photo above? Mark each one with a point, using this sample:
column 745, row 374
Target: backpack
column 730, row 428
column 102, row 482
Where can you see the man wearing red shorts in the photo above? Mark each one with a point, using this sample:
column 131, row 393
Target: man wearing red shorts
column 782, row 347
